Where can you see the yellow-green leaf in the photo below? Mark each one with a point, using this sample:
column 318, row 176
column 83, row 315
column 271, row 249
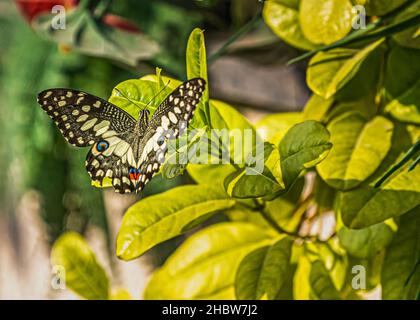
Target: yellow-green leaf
column 83, row 274
column 161, row 217
column 304, row 146
column 205, row 264
column 197, row 68
column 359, row 146
column 330, row 71
column 401, row 268
column 322, row 286
column 327, row 21
column 283, row 19
column 264, row 271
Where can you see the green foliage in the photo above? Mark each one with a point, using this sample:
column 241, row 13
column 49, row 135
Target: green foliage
column 164, row 216
column 333, row 24
column 330, row 71
column 359, row 148
column 283, row 18
column 401, row 272
column 321, row 284
column 90, row 35
column 83, row 274
column 264, row 271
column 296, row 229
column 204, row 266
column 304, row 146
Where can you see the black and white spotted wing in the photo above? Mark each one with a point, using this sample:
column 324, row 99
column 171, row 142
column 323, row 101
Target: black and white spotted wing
column 176, row 111
column 127, row 151
column 82, row 118
column 169, row 121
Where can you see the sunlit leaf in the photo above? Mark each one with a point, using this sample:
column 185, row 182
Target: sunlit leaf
column 304, row 146
column 144, row 94
column 316, row 108
column 197, row 67
column 330, row 71
column 161, row 217
column 83, row 274
column 359, row 146
column 283, row 19
column 367, row 205
column 326, row 21
column 206, row 263
column 301, row 284
column 273, row 127
column 225, row 120
column 120, row 294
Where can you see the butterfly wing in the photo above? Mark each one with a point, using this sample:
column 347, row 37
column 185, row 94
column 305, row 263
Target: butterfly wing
column 169, row 121
column 82, row 118
column 176, row 111
column 87, row 120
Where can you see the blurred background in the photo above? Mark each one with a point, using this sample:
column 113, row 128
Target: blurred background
column 44, row 188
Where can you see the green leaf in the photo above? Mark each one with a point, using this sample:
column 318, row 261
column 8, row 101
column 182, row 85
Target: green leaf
column 400, row 75
column 365, row 106
column 327, row 21
column 409, row 37
column 264, row 271
column 197, row 68
column 204, row 266
column 304, row 146
column 224, row 117
column 161, row 217
column 142, row 93
column 367, row 242
column 241, row 184
column 273, row 127
column 373, row 267
column 316, row 108
column 83, row 274
column 322, row 286
column 367, row 205
column 210, row 173
column 283, row 19
column 401, row 271
column 95, row 38
column 252, row 182
column 402, row 85
column 358, row 149
column 247, row 281
column 379, row 7
column 121, row 294
column 301, row 284
column 330, row 71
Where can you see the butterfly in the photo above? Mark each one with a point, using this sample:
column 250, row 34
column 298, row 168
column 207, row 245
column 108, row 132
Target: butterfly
column 126, row 150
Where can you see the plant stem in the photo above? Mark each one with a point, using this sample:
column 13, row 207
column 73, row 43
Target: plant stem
column 243, row 30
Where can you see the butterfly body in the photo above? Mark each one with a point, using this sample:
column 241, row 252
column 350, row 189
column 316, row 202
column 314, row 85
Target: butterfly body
column 126, row 150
